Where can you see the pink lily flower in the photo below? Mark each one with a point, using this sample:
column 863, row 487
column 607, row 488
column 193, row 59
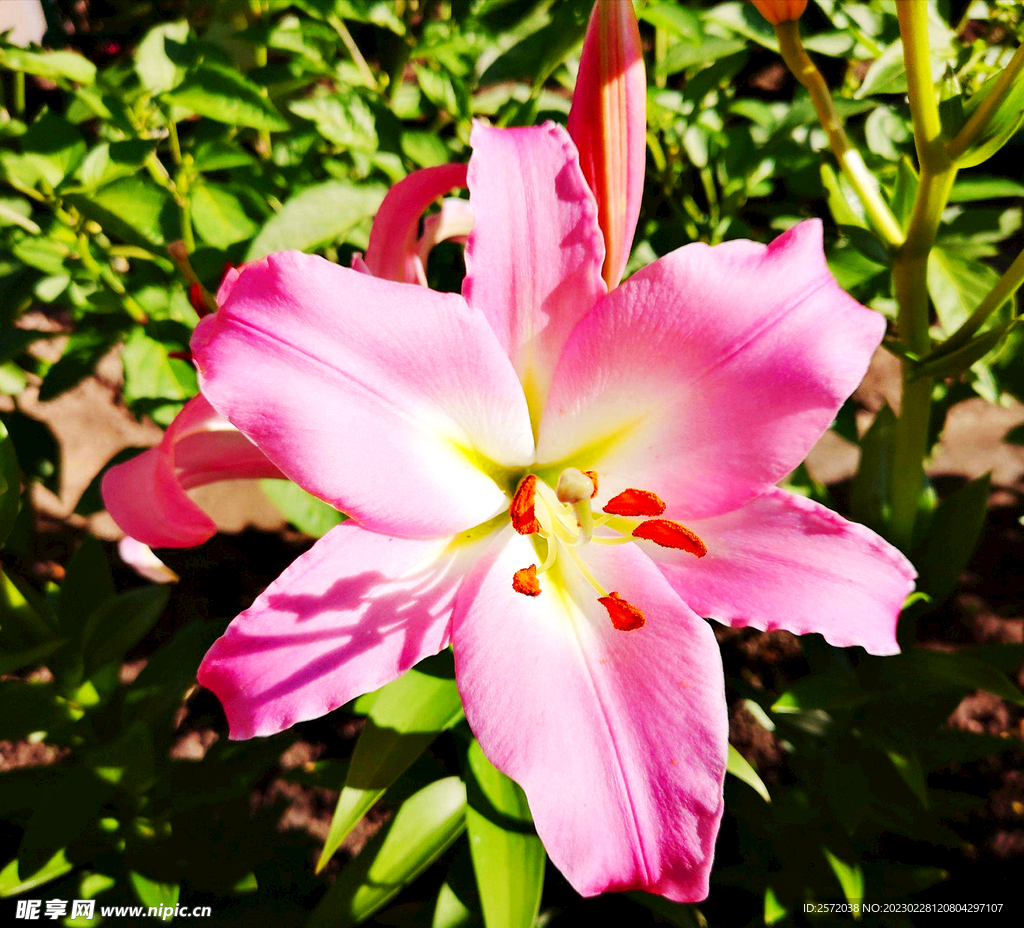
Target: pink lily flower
column 560, row 482
column 147, row 496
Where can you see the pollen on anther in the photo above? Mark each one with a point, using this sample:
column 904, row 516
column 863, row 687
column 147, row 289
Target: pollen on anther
column 633, row 502
column 624, row 615
column 525, row 581
column 521, row 510
column 671, row 534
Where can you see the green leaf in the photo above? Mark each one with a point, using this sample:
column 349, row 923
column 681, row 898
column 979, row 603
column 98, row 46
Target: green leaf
column 163, row 57
column 887, row 74
column 533, row 58
column 954, row 363
column 424, row 149
column 450, row 911
column 13, row 884
column 822, row 691
column 869, row 493
column 219, row 217
column 224, row 95
column 29, row 708
column 683, row 55
column 423, row 828
column 10, row 484
column 904, row 191
column 319, row 215
column 13, row 661
column 842, row 203
column 405, row 717
column 55, row 66
column 955, row 670
column 343, row 118
column 947, row 548
column 307, row 513
column 508, row 857
column 741, row 768
column 150, row 373
column 87, row 584
column 51, row 148
column 979, row 187
column 110, row 161
column 27, row 619
column 957, row 284
column 154, row 894
column 885, row 133
column 133, row 209
column 121, row 623
column 1001, row 126
column 850, row 876
column 68, row 804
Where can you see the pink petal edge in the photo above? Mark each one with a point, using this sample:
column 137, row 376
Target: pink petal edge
column 786, row 562
column 353, row 613
column 146, row 496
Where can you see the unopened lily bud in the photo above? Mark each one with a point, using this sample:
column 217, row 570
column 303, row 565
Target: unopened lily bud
column 781, row 11
column 608, row 123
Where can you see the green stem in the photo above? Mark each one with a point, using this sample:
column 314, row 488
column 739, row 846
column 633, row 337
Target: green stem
column 172, row 133
column 981, row 116
column 910, row 270
column 179, row 255
column 1005, row 287
column 861, row 179
column 18, row 104
column 106, row 273
column 338, row 24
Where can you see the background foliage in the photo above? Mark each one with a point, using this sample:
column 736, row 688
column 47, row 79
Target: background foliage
column 242, row 128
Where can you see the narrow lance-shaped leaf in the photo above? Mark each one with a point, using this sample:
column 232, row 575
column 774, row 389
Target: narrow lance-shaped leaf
column 508, row 857
column 741, row 768
column 10, row 484
column 423, row 828
column 405, row 717
column 948, row 546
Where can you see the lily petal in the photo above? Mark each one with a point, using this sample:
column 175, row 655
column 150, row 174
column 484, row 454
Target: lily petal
column 146, row 496
column 619, row 738
column 533, row 259
column 353, row 613
column 784, row 561
column 608, row 123
column 454, row 221
column 707, row 376
column 392, row 249
column 392, row 402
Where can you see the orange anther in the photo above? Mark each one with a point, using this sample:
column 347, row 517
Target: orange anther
column 592, row 474
column 671, row 534
column 524, row 518
column 525, row 581
column 633, row 502
column 624, row 615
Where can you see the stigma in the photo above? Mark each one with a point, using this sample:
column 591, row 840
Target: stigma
column 562, row 521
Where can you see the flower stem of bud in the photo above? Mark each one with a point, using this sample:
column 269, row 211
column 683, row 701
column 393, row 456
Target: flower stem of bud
column 861, row 179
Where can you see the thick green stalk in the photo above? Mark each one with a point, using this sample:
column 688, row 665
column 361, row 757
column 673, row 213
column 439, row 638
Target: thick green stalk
column 861, row 179
column 981, row 116
column 910, row 269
